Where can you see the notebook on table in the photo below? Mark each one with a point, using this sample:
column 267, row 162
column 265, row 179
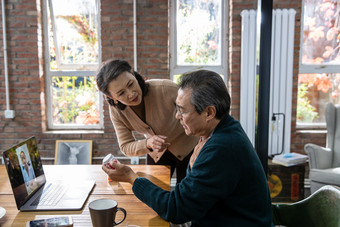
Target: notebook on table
column 32, row 191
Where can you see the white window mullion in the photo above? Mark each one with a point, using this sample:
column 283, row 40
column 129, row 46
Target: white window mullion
column 54, row 31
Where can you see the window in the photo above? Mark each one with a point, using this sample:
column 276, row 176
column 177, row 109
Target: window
column 198, row 36
column 319, row 78
column 72, row 56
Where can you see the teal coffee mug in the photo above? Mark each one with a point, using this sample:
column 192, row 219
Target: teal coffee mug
column 103, row 213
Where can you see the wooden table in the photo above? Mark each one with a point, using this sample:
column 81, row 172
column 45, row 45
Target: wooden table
column 137, row 212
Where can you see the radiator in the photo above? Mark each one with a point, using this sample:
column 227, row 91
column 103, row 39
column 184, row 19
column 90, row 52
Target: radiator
column 281, row 78
column 248, row 73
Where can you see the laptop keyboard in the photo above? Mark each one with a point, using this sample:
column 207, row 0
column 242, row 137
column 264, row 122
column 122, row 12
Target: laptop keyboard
column 51, row 195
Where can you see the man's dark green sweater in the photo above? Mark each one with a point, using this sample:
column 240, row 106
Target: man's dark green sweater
column 225, row 187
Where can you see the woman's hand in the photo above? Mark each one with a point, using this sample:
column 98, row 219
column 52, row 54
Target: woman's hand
column 119, row 172
column 157, row 143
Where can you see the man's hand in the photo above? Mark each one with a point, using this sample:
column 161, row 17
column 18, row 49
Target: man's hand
column 119, row 172
column 157, row 143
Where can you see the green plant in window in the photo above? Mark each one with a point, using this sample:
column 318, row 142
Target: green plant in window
column 204, row 53
column 305, row 111
column 328, row 84
column 199, row 32
column 81, row 24
column 74, row 100
column 72, row 49
column 81, row 44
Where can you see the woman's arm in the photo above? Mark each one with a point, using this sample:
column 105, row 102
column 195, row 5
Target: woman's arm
column 127, row 142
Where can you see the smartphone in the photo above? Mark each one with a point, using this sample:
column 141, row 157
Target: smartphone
column 63, row 221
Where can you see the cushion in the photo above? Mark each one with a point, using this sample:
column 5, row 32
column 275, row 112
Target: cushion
column 326, row 176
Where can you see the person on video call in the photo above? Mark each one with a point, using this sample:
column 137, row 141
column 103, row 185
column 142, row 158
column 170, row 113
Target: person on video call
column 147, row 107
column 27, row 168
column 225, row 184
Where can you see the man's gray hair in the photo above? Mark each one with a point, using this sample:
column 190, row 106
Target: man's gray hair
column 208, row 89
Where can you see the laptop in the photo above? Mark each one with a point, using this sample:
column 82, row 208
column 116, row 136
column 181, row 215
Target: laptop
column 32, row 191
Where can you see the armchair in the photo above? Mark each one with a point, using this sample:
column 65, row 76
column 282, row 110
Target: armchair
column 321, row 208
column 324, row 162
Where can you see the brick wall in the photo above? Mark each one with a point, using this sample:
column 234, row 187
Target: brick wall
column 27, row 81
column 23, row 69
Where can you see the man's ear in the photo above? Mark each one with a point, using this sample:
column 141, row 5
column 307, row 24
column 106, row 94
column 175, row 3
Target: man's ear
column 210, row 112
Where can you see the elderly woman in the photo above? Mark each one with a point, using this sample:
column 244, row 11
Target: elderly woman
column 147, row 107
column 226, row 184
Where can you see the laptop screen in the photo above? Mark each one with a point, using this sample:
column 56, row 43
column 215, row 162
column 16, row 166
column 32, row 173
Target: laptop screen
column 24, row 168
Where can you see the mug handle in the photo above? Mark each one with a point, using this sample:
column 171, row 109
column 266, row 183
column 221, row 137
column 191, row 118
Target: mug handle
column 122, row 210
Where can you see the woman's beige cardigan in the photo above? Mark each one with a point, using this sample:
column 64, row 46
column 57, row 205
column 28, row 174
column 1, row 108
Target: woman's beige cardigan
column 160, row 110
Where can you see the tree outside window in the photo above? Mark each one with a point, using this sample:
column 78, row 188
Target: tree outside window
column 198, row 32
column 197, row 35
column 319, row 78
column 72, row 59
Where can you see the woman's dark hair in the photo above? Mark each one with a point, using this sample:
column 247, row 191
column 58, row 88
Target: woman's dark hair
column 109, row 71
column 208, row 89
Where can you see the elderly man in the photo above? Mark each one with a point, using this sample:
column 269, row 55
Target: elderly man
column 225, row 183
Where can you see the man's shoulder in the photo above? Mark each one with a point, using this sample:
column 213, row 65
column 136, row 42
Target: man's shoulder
column 228, row 132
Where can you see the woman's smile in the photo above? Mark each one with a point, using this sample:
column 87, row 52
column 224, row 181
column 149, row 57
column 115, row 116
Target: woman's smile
column 135, row 99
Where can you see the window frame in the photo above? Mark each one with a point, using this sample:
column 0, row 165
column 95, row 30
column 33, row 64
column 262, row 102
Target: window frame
column 66, row 71
column 312, row 69
column 180, row 69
